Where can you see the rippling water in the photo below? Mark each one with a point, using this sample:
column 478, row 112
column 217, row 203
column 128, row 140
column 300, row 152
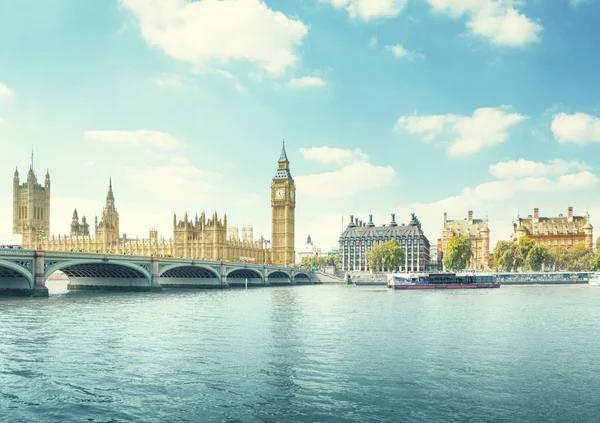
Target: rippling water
column 305, row 354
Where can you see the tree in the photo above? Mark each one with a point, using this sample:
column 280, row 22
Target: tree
column 595, row 260
column 388, row 256
column 576, row 259
column 458, row 253
column 522, row 249
column 537, row 257
column 504, row 256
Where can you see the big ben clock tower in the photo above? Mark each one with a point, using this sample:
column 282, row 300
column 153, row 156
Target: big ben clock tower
column 283, row 205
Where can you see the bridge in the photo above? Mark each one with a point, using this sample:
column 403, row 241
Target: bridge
column 25, row 272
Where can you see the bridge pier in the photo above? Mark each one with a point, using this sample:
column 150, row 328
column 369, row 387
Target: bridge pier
column 39, row 278
column 154, row 274
column 224, row 283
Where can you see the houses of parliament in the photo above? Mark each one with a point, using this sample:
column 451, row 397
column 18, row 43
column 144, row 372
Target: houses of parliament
column 204, row 237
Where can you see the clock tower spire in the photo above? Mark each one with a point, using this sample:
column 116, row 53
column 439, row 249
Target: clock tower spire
column 283, row 205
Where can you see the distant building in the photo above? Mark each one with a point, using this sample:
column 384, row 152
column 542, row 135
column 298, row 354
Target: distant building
column 478, row 232
column 308, row 250
column 435, row 260
column 561, row 231
column 77, row 228
column 31, row 207
column 359, row 237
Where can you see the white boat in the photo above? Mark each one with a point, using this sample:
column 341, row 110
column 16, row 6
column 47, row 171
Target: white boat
column 594, row 279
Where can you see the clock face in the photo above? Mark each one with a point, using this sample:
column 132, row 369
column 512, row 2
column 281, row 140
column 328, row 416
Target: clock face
column 279, row 193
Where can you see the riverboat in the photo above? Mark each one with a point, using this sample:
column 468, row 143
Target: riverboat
column 442, row 281
column 594, row 279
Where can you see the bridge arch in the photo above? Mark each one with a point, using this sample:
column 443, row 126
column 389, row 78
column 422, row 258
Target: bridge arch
column 94, row 273
column 189, row 276
column 239, row 275
column 279, row 274
column 302, row 276
column 188, row 271
column 14, row 276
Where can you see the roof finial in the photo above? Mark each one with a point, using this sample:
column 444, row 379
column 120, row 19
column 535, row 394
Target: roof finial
column 32, row 156
column 110, row 182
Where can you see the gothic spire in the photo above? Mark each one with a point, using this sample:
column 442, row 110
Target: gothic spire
column 283, row 157
column 110, row 198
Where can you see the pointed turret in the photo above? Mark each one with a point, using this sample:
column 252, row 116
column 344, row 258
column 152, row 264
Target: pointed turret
column 110, row 197
column 47, row 181
column 283, row 166
column 283, row 157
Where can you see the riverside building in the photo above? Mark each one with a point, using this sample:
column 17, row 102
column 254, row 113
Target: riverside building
column 206, row 237
column 359, row 237
column 555, row 232
column 478, row 232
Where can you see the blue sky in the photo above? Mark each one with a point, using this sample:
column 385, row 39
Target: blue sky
column 387, row 106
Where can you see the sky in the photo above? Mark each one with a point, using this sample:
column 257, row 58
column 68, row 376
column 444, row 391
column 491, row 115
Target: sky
column 386, row 106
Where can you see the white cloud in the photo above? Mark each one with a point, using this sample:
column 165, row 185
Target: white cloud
column 513, row 169
column 168, row 80
column 306, row 82
column 463, row 135
column 582, row 180
column 578, row 128
column 348, row 180
column 399, row 51
column 373, row 43
column 496, row 20
column 139, row 138
column 5, row 91
column 330, row 155
column 370, row 9
column 209, row 31
column 180, row 173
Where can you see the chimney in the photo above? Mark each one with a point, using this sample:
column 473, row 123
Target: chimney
column 536, row 215
column 445, row 218
column 470, row 214
column 393, row 217
column 570, row 213
column 370, row 218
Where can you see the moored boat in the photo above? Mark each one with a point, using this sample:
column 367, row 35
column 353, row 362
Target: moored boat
column 442, row 281
column 594, row 279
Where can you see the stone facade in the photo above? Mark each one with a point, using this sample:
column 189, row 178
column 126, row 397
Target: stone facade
column 283, row 206
column 31, row 207
column 359, row 237
column 200, row 238
column 556, row 232
column 479, row 233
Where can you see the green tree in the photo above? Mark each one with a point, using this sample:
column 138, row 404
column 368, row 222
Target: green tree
column 537, row 257
column 595, row 260
column 504, row 255
column 458, row 253
column 388, row 256
column 375, row 257
column 576, row 259
column 522, row 249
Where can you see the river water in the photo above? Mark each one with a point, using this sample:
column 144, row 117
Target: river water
column 302, row 354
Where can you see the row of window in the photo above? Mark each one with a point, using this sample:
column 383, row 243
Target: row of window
column 562, row 242
column 23, row 213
